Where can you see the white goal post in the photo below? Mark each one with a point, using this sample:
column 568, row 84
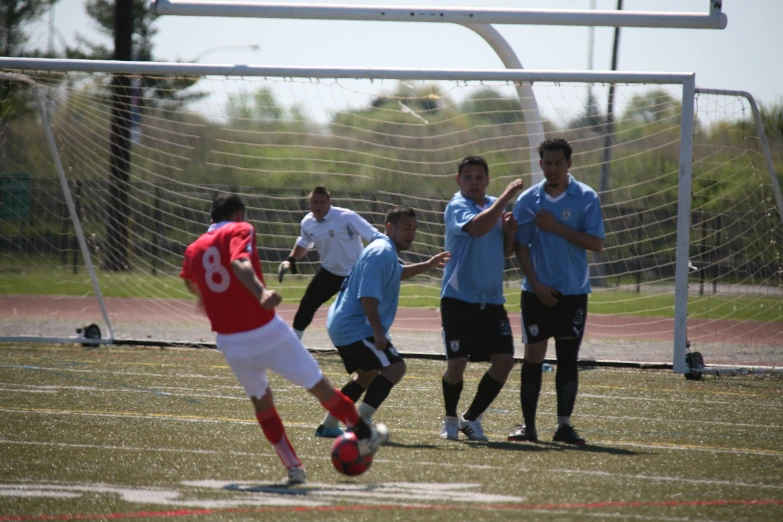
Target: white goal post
column 379, row 137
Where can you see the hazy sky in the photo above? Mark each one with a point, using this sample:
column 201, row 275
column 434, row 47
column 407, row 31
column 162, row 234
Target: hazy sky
column 746, row 55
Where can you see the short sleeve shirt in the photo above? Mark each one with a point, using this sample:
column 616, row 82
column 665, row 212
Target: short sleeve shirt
column 230, row 307
column 337, row 237
column 376, row 274
column 557, row 262
column 475, row 271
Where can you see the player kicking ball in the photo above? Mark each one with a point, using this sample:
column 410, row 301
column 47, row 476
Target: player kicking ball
column 222, row 268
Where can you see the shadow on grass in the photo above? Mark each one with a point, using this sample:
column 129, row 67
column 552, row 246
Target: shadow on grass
column 392, row 444
column 552, row 446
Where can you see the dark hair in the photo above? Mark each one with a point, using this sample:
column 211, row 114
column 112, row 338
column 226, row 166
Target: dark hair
column 224, row 205
column 555, row 144
column 320, row 189
column 394, row 214
column 472, row 160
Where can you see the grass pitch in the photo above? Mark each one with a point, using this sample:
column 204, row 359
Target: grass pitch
column 116, row 433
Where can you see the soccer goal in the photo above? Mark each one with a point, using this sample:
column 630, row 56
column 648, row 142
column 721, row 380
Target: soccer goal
column 692, row 207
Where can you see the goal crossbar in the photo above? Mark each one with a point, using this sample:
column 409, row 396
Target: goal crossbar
column 377, row 73
column 713, row 19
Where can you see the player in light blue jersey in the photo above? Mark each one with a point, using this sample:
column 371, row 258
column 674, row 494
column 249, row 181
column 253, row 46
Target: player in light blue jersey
column 359, row 320
column 480, row 236
column 559, row 220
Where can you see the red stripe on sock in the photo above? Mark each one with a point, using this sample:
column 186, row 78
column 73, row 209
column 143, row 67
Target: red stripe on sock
column 342, row 408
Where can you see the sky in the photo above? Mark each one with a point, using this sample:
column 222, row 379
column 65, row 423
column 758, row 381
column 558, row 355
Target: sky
column 744, row 56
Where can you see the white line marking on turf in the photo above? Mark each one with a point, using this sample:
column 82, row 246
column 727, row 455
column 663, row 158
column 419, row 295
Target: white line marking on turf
column 270, row 454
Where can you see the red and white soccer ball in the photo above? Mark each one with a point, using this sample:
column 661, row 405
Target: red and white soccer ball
column 346, row 458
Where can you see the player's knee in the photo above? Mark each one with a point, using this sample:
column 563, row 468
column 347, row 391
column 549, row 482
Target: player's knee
column 502, row 364
column 535, row 353
column 455, row 369
column 567, row 349
column 395, row 372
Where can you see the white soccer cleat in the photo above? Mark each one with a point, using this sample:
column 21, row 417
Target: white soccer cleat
column 378, row 437
column 296, row 475
column 449, row 428
column 472, row 428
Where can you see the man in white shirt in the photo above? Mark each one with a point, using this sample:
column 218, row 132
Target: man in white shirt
column 336, row 233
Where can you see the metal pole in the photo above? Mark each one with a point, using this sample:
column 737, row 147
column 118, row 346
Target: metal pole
column 714, row 19
column 68, row 198
column 683, row 227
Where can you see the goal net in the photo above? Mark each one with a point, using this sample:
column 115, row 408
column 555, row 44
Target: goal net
column 377, row 143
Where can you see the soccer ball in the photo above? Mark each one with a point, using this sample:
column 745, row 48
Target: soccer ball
column 346, row 458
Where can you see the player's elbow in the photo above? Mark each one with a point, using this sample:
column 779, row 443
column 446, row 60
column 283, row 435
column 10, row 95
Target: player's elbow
column 597, row 244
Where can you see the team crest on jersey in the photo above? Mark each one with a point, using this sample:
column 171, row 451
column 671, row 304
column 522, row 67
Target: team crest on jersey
column 566, row 214
column 579, row 317
column 533, row 329
column 331, row 233
column 454, row 346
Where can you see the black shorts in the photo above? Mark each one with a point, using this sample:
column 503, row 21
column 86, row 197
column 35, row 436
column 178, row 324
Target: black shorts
column 474, row 330
column 363, row 355
column 565, row 319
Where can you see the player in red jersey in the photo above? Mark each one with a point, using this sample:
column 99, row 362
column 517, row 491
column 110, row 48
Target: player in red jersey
column 222, row 268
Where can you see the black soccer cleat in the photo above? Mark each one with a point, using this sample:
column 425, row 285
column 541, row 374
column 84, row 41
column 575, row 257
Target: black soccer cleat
column 566, row 433
column 524, row 432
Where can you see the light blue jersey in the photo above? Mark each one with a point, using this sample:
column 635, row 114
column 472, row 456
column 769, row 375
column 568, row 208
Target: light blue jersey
column 475, row 272
column 557, row 262
column 376, row 274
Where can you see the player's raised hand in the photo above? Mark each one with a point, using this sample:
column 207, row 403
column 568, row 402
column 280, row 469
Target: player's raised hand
column 270, row 299
column 512, row 189
column 440, row 260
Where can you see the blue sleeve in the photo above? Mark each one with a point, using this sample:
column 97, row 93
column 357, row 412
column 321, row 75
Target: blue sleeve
column 458, row 214
column 594, row 221
column 373, row 276
column 525, row 215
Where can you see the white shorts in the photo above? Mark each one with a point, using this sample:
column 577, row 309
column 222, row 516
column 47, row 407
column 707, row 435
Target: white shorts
column 274, row 347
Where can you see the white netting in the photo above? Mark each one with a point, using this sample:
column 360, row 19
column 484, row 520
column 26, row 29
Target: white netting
column 376, row 144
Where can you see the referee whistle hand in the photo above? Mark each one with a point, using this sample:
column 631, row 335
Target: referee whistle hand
column 285, row 266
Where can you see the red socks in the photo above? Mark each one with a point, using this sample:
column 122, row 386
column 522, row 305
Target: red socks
column 274, row 432
column 342, row 409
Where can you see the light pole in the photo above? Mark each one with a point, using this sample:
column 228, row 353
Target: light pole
column 249, row 47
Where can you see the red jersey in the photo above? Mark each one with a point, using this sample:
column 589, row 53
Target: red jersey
column 230, row 306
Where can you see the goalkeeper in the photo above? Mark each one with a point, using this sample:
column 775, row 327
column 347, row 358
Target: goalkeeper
column 336, row 234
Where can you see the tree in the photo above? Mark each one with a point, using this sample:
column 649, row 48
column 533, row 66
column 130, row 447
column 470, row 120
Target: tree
column 16, row 99
column 488, row 106
column 169, row 93
column 653, row 107
column 15, row 16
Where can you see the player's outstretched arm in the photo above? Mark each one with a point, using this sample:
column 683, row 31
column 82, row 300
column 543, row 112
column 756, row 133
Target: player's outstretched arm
column 436, row 261
column 289, row 264
column 243, row 270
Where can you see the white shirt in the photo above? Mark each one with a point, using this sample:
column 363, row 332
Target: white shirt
column 337, row 237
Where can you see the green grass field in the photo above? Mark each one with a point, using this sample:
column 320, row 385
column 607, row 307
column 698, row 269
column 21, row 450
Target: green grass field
column 135, row 433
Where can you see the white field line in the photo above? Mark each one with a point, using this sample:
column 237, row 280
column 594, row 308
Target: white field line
column 207, row 420
column 160, row 391
column 269, row 454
